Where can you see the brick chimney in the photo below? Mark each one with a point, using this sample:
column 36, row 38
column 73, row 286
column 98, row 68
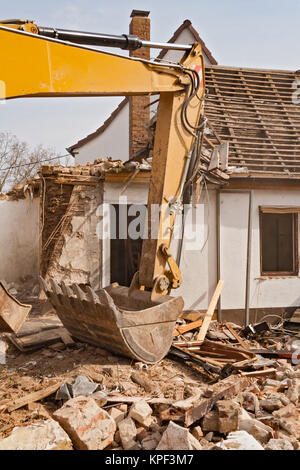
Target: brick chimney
column 138, row 114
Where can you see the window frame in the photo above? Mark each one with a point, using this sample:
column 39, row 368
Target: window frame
column 293, row 273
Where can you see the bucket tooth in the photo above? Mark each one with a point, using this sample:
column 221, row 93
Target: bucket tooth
column 105, row 298
column 55, row 287
column 66, row 290
column 92, row 296
column 44, row 285
column 79, row 293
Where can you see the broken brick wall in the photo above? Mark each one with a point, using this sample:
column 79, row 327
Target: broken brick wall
column 71, row 249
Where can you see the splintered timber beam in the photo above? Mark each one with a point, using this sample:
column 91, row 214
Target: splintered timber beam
column 226, row 388
column 210, row 312
column 33, row 397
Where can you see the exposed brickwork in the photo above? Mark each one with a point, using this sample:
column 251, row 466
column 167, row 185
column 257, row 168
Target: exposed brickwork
column 138, row 114
column 70, row 244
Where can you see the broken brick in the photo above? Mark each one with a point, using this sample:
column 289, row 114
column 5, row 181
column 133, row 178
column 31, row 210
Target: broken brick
column 42, row 435
column 141, row 412
column 228, row 416
column 89, row 427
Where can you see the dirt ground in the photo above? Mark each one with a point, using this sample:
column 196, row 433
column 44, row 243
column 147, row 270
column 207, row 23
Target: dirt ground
column 25, row 373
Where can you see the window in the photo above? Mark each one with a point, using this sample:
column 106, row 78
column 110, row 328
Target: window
column 279, row 243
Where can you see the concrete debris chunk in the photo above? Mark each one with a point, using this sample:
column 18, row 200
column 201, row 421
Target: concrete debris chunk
column 263, row 362
column 287, row 411
column 289, row 419
column 257, row 429
column 228, row 416
column 100, row 398
column 42, row 435
column 284, row 399
column 116, row 414
column 197, row 432
column 210, row 421
column 187, row 403
column 279, row 444
column 64, row 392
column 151, row 442
column 141, row 412
column 272, row 403
column 89, row 427
column 176, row 437
column 80, row 387
column 141, row 433
column 240, row 440
column 127, row 431
column 293, row 391
column 83, row 387
column 251, row 402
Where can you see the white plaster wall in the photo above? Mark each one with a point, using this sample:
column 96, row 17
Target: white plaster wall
column 185, row 37
column 113, row 142
column 233, row 248
column 19, row 239
column 199, row 266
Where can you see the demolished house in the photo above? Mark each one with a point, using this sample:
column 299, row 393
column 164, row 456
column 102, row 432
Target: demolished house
column 250, row 209
column 223, row 385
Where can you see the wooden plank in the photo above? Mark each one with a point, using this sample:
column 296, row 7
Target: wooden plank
column 241, row 109
column 237, row 337
column 142, row 381
column 38, row 340
column 34, row 326
column 266, row 106
column 285, row 90
column 224, row 70
column 259, row 373
column 66, row 337
column 33, row 397
column 190, row 326
column 210, row 311
column 245, row 363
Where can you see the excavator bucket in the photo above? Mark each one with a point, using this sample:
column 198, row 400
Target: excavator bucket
column 122, row 320
column 12, row 312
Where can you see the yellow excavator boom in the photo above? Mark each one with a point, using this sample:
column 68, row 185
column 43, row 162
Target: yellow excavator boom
column 139, row 321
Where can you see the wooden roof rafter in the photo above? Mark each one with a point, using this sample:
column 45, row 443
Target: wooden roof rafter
column 230, row 129
column 252, row 109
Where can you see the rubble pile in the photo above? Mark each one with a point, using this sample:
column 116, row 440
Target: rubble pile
column 97, row 168
column 236, row 389
column 76, row 396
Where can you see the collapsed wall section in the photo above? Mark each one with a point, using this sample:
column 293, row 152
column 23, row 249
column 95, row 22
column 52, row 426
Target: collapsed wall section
column 71, row 249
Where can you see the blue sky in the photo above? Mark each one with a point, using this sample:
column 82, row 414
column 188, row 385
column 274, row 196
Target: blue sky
column 246, row 33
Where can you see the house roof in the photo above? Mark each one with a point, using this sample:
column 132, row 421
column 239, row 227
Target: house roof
column 253, row 110
column 185, row 25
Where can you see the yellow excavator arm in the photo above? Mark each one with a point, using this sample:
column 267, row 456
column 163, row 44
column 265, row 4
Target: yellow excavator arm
column 37, row 63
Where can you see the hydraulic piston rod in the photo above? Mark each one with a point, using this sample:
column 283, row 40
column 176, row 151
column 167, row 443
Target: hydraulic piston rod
column 125, row 41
